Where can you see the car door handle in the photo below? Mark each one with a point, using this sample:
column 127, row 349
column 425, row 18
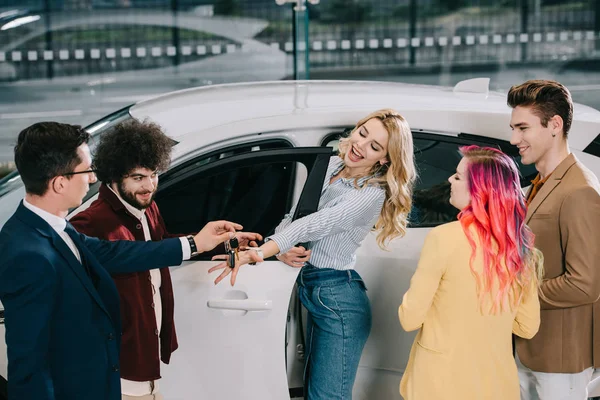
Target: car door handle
column 242, row 305
column 1, row 317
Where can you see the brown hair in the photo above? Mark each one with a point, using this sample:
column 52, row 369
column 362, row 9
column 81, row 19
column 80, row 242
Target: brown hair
column 46, row 150
column 546, row 98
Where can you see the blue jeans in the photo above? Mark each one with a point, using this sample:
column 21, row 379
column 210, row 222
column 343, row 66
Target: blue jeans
column 339, row 323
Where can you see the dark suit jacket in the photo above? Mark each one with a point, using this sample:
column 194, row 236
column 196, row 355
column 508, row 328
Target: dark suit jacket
column 62, row 318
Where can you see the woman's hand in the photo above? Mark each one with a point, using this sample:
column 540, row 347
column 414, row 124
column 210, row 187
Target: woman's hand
column 295, row 257
column 244, row 257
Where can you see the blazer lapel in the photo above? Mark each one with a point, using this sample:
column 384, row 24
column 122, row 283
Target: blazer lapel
column 77, row 266
column 544, row 192
column 551, row 184
column 36, row 222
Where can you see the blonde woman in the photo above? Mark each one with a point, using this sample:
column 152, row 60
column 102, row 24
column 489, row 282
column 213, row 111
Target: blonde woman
column 475, row 285
column 368, row 186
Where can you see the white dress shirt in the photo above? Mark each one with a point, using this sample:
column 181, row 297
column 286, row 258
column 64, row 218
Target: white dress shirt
column 57, row 223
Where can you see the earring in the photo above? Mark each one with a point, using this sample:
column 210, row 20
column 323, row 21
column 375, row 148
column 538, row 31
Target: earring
column 554, row 135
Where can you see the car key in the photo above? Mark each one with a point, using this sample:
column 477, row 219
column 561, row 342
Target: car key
column 231, row 247
column 234, row 245
column 231, row 259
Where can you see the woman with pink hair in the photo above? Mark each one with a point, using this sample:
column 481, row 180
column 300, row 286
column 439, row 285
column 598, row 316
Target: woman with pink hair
column 475, row 286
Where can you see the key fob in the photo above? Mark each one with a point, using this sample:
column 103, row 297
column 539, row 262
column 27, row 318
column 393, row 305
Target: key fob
column 231, row 258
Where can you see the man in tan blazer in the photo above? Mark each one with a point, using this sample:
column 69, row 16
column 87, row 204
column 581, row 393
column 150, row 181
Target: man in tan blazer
column 564, row 214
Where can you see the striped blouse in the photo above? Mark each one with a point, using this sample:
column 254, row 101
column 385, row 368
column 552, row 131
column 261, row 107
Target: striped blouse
column 345, row 216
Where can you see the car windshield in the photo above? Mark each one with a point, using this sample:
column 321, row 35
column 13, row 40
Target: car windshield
column 13, row 180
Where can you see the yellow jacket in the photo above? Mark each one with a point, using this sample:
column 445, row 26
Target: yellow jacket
column 460, row 352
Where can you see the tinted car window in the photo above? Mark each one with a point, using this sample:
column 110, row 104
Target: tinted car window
column 256, row 196
column 436, row 161
column 436, row 157
column 594, row 147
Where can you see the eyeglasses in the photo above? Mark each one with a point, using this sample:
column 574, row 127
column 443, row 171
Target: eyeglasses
column 89, row 171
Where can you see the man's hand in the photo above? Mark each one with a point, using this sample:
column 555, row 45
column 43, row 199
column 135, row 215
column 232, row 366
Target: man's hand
column 295, row 257
column 215, row 233
column 248, row 239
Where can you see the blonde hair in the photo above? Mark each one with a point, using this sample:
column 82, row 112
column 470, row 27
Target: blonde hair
column 397, row 176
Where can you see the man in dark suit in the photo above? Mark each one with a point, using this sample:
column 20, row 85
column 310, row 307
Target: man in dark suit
column 62, row 313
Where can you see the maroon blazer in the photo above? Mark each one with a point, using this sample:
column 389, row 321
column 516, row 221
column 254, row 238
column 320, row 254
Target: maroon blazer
column 107, row 218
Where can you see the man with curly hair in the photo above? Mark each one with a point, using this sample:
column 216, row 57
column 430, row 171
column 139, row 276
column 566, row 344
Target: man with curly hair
column 128, row 160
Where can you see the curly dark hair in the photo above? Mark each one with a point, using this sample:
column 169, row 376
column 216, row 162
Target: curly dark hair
column 129, row 145
column 46, row 150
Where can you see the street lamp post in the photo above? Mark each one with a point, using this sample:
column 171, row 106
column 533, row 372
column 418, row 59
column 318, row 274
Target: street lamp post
column 299, row 7
column 48, row 38
column 175, row 31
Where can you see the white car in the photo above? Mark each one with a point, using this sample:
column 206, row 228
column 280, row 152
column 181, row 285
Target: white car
column 247, row 153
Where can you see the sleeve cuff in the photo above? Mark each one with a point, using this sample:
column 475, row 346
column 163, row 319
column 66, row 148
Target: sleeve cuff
column 185, row 248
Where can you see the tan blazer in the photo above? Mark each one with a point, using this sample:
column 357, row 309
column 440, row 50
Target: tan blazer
column 459, row 353
column 565, row 217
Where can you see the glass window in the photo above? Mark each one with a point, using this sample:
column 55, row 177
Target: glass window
column 436, row 161
column 13, row 180
column 594, row 147
column 436, row 157
column 254, row 195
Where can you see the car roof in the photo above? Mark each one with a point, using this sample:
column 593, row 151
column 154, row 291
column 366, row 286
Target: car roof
column 193, row 115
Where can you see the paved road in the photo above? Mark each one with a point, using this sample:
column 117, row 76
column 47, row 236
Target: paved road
column 83, row 100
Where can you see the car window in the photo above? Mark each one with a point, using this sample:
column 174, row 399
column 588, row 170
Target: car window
column 13, row 180
column 436, row 161
column 256, row 196
column 436, row 158
column 594, row 147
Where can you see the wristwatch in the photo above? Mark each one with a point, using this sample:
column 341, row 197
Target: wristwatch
column 193, row 248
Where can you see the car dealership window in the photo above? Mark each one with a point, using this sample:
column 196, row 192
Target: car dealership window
column 256, row 196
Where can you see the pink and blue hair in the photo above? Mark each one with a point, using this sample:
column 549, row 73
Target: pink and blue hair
column 497, row 215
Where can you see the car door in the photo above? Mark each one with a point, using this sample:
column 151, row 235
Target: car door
column 232, row 339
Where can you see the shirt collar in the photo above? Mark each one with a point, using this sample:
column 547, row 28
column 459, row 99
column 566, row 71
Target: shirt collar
column 57, row 223
column 538, row 179
column 339, row 165
column 139, row 214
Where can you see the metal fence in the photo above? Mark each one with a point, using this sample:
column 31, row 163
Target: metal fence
column 53, row 38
